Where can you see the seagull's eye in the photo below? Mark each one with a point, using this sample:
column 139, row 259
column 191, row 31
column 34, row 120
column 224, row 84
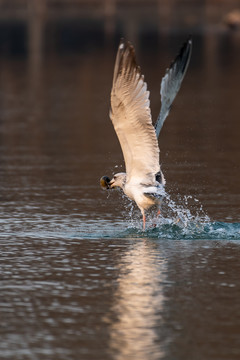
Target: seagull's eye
column 114, row 178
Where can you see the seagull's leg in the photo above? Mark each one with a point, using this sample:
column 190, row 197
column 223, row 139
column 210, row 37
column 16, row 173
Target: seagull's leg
column 158, row 213
column 144, row 222
column 144, row 218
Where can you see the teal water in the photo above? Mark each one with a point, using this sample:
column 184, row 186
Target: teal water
column 62, row 228
column 198, row 231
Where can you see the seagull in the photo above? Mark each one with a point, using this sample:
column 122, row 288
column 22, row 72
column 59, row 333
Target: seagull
column 143, row 181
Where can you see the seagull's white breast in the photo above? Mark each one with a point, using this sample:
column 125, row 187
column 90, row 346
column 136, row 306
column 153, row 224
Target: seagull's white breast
column 136, row 192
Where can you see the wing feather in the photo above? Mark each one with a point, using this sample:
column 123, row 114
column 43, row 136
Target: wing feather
column 172, row 81
column 131, row 116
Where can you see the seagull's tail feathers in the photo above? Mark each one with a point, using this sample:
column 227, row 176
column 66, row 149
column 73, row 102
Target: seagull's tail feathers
column 155, row 192
column 172, row 81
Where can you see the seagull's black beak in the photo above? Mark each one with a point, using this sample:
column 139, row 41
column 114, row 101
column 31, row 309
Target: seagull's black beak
column 105, row 182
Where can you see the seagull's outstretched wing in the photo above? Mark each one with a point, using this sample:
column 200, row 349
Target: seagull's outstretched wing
column 131, row 117
column 172, row 81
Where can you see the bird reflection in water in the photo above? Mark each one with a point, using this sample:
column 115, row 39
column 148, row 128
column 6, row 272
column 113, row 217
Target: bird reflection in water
column 138, row 304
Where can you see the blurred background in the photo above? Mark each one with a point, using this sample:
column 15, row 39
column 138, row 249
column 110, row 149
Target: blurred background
column 31, row 27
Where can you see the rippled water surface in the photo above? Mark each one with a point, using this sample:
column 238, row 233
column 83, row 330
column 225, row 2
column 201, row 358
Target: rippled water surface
column 79, row 279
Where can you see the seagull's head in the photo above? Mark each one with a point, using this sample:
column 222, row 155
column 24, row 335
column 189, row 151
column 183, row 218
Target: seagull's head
column 118, row 180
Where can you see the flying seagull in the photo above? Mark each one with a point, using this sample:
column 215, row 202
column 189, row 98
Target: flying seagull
column 130, row 114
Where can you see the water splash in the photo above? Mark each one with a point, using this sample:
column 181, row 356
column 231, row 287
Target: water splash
column 173, row 212
column 183, row 218
column 193, row 231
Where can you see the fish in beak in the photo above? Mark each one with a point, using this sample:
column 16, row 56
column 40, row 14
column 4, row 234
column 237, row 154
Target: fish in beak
column 105, row 182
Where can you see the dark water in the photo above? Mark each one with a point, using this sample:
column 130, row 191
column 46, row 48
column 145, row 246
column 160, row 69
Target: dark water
column 78, row 277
